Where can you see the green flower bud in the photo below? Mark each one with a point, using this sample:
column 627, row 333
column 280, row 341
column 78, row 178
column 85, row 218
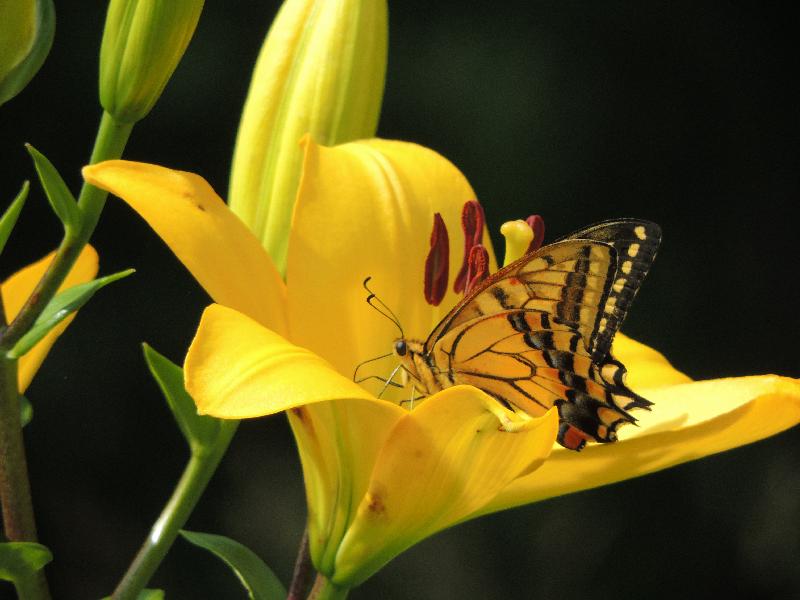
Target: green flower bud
column 26, row 34
column 321, row 71
column 143, row 41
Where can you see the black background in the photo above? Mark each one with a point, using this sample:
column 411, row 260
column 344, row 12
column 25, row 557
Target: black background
column 680, row 112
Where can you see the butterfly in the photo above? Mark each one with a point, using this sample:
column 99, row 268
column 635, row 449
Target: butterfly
column 538, row 332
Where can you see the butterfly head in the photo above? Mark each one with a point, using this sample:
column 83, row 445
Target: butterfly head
column 410, row 354
column 400, row 348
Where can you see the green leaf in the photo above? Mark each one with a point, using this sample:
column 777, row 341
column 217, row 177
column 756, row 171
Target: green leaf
column 9, row 218
column 59, row 308
column 199, row 430
column 25, row 410
column 19, row 562
column 61, row 199
column 259, row 580
column 146, row 595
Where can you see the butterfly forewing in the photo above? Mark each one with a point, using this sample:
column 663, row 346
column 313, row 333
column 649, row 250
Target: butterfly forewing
column 636, row 243
column 568, row 280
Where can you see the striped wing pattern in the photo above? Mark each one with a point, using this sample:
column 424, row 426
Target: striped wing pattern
column 538, row 333
column 635, row 242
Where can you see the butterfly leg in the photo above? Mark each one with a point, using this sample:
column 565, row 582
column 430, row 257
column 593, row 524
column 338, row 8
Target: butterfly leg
column 415, row 395
column 379, row 378
column 389, row 381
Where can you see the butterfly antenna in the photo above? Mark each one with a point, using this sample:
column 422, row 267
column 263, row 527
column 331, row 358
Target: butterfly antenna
column 382, row 308
column 369, row 360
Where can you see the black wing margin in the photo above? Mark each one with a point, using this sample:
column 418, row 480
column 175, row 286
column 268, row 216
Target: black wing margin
column 636, row 242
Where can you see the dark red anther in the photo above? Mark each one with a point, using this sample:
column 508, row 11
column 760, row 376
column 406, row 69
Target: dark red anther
column 536, row 223
column 437, row 264
column 472, row 222
column 478, row 268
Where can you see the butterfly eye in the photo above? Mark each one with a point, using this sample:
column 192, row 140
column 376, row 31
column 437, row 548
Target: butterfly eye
column 400, row 347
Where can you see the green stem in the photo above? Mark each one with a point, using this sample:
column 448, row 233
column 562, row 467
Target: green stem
column 15, row 490
column 325, row 590
column 112, row 137
column 202, row 465
column 110, row 142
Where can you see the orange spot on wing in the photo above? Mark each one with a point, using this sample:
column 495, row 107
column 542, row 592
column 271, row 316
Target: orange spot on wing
column 573, row 438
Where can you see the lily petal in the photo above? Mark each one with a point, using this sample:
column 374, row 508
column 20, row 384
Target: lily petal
column 19, row 286
column 338, row 443
column 688, row 421
column 365, row 209
column 237, row 369
column 442, row 462
column 217, row 248
column 647, row 368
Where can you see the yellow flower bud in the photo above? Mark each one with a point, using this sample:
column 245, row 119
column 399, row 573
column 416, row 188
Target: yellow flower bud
column 26, row 34
column 143, row 41
column 321, row 71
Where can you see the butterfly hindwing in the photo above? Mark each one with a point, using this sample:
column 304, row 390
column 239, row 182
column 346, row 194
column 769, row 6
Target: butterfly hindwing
column 531, row 362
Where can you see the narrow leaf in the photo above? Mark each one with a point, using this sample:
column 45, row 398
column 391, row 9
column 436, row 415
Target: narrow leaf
column 19, row 562
column 259, row 580
column 147, row 594
column 61, row 199
column 197, row 429
column 59, row 308
column 9, row 218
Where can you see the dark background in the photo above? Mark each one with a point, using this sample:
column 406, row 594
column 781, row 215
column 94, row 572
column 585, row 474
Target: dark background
column 680, row 112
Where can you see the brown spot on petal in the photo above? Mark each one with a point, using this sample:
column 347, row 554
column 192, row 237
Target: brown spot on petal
column 376, row 501
column 536, row 223
column 437, row 264
column 472, row 223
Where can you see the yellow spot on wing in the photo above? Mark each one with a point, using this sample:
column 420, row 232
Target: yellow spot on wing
column 633, row 250
column 640, row 232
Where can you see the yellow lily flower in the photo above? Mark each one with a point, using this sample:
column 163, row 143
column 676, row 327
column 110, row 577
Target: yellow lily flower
column 18, row 287
column 380, row 477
